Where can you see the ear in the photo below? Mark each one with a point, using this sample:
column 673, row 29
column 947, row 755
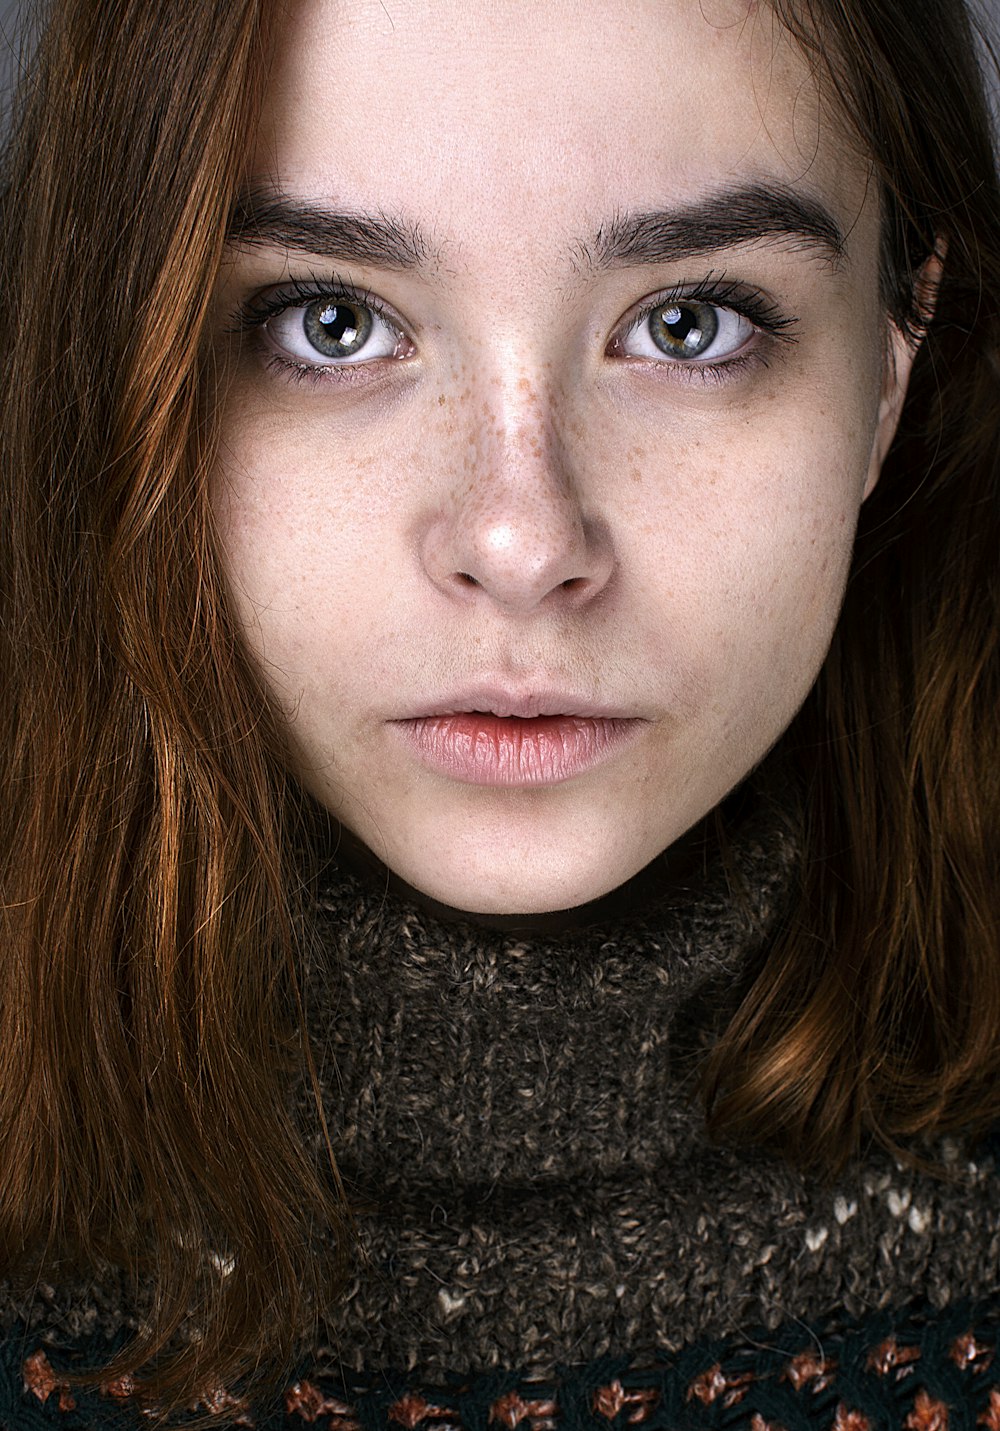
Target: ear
column 900, row 351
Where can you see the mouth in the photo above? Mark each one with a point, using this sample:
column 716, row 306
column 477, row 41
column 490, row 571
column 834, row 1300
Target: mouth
column 484, row 747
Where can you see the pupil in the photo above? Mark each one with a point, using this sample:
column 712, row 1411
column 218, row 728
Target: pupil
column 678, row 323
column 338, row 322
column 337, row 330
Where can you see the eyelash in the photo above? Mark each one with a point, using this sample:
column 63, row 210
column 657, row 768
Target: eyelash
column 251, row 316
column 772, row 326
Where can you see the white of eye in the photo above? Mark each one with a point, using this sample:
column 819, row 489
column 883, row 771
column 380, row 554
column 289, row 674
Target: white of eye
column 332, row 332
column 687, row 331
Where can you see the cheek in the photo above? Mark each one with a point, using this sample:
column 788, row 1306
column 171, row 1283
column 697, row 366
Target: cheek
column 302, row 517
column 742, row 542
column 324, row 507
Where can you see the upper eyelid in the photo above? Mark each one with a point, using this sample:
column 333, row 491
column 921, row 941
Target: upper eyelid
column 258, row 308
column 297, row 292
column 752, row 303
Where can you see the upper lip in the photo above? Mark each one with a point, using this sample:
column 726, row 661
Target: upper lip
column 525, row 700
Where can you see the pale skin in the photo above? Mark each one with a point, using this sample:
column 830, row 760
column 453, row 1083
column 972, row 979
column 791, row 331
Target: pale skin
column 518, row 486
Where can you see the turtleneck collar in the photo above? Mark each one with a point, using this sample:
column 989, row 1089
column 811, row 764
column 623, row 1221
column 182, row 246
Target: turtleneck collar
column 477, row 1056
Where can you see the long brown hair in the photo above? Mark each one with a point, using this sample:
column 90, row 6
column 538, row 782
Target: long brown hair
column 877, row 1011
column 148, row 1019
column 147, row 1010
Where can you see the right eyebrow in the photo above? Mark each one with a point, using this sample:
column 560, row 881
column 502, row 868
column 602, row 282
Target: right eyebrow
column 265, row 219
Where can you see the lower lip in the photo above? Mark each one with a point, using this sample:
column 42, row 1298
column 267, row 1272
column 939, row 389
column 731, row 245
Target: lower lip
column 507, row 750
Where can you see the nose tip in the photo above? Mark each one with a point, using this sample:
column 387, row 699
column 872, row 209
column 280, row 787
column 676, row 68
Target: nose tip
column 520, row 562
column 517, row 530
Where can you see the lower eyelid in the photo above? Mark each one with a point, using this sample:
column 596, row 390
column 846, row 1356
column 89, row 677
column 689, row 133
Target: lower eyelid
column 751, row 356
column 352, row 374
column 717, row 372
column 275, row 358
column 326, row 374
column 756, row 339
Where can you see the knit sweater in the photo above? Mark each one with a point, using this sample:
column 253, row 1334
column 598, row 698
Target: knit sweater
column 548, row 1237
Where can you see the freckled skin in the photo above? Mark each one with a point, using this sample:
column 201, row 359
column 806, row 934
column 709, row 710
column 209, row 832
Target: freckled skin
column 511, row 501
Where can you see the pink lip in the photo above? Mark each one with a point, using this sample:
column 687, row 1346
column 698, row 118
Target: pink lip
column 482, row 748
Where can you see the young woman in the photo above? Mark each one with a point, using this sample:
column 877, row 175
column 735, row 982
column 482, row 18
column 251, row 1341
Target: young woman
column 499, row 604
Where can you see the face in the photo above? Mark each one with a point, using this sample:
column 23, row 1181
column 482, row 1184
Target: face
column 560, row 382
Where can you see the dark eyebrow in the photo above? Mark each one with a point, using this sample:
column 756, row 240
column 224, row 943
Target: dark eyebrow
column 271, row 220
column 726, row 219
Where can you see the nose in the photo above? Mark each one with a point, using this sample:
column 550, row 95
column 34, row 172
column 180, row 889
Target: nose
column 515, row 528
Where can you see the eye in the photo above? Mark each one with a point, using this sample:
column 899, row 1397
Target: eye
column 332, row 331
column 685, row 330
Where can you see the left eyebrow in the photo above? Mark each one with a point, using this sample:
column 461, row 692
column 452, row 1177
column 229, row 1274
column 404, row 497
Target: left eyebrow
column 725, row 219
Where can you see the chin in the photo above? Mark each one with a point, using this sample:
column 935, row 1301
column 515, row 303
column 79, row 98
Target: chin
column 514, row 853
column 517, row 888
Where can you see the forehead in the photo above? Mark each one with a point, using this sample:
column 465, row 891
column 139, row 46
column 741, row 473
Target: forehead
column 500, row 119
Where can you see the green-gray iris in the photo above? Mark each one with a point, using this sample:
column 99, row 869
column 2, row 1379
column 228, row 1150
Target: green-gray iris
column 684, row 330
column 337, row 330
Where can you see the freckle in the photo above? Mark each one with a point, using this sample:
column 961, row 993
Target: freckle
column 441, row 399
